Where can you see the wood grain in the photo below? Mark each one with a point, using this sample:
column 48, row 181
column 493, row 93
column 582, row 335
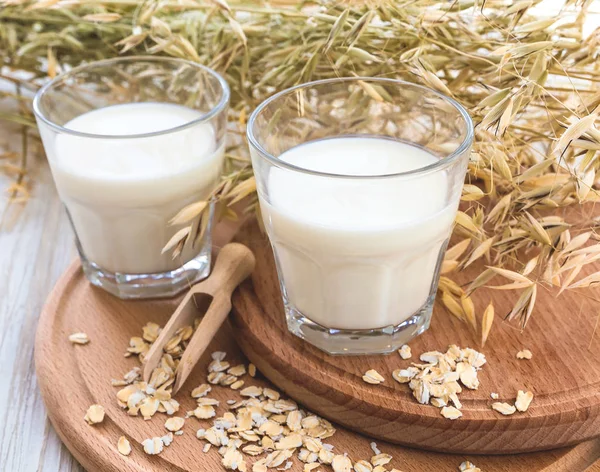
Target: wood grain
column 36, row 244
column 85, row 373
column 35, row 248
column 564, row 374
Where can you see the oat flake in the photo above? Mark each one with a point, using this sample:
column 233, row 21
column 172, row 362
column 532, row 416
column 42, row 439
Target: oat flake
column 451, row 413
column 373, row 377
column 503, row 408
column 405, row 352
column 79, row 338
column 523, row 400
column 95, row 414
column 524, row 354
column 123, row 446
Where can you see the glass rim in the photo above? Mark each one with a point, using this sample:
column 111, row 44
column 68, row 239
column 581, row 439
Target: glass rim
column 220, row 106
column 440, row 164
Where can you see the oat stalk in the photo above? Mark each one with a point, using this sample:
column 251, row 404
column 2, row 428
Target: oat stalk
column 531, row 85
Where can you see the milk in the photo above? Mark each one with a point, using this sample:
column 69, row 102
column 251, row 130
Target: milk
column 357, row 253
column 121, row 193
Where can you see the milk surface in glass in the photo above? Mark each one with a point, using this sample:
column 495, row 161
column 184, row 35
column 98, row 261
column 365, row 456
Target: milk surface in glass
column 121, row 193
column 357, row 253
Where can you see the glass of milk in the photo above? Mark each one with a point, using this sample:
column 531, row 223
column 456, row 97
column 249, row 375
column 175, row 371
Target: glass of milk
column 359, row 180
column 132, row 141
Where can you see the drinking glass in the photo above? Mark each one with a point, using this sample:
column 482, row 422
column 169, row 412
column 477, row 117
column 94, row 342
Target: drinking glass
column 130, row 142
column 359, row 180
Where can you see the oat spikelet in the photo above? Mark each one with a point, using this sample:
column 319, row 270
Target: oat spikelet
column 487, row 322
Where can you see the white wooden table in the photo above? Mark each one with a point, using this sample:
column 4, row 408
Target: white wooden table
column 36, row 245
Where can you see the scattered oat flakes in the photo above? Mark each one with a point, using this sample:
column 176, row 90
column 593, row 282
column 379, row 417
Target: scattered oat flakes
column 233, row 459
column 420, row 391
column 405, row 352
column 292, row 441
column 252, row 391
column 468, row 375
column 276, row 458
column 218, row 355
column 438, row 402
column 123, row 446
column 260, row 423
column 494, row 396
column 381, row 459
column 153, row 446
column 201, row 391
column 271, row 394
column 205, row 412
column 468, row 467
column 451, row 412
column 363, row 466
column 174, row 424
column 341, row 463
column 524, row 354
column 95, row 414
column 218, row 366
column 404, row 375
column 253, row 450
column 167, row 439
column 147, row 399
column 503, row 408
column 373, row 377
column 148, row 407
column 523, row 400
column 151, row 332
column 216, row 377
column 237, row 370
column 431, row 357
column 374, row 448
column 310, row 467
column 130, row 377
column 259, row 466
column 326, row 456
column 436, row 380
column 79, row 338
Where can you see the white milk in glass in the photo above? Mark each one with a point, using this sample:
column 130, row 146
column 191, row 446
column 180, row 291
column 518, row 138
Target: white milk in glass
column 357, row 253
column 121, row 193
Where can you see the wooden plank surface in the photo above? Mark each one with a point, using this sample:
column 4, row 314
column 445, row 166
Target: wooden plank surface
column 86, row 381
column 34, row 250
column 36, row 245
column 563, row 375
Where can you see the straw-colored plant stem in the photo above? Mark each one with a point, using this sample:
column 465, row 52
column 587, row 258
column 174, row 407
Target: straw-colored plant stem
column 530, row 84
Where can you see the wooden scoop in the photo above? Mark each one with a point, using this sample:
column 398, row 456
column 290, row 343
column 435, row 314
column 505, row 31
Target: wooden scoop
column 212, row 296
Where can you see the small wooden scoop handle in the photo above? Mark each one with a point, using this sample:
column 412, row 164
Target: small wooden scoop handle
column 234, row 263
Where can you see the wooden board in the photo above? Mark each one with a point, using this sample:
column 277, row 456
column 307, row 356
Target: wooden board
column 73, row 377
column 564, row 374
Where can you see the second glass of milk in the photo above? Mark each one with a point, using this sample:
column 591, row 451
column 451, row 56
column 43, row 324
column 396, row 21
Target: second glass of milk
column 359, row 180
column 132, row 141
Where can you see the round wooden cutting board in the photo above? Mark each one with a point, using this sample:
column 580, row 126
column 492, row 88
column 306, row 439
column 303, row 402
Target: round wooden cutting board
column 73, row 377
column 564, row 374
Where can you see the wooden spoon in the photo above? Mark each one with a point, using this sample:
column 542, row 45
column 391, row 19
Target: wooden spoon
column 212, row 296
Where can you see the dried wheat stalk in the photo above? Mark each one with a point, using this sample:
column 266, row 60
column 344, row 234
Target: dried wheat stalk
column 530, row 84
